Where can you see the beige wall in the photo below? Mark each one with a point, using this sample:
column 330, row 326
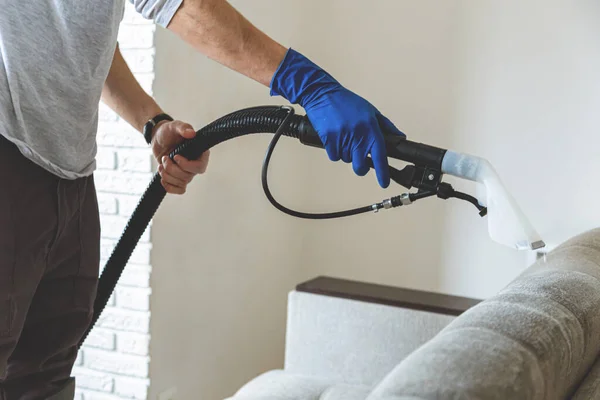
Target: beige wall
column 514, row 82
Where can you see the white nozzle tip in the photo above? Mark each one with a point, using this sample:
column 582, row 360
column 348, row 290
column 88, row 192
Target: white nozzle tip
column 506, row 222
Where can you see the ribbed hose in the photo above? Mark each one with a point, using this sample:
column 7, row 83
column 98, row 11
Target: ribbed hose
column 265, row 119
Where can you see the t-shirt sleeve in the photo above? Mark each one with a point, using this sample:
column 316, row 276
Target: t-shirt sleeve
column 160, row 11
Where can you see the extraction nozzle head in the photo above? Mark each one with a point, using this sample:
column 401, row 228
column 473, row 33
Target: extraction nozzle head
column 507, row 224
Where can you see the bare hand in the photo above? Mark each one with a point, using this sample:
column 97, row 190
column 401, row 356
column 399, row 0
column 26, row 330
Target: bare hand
column 176, row 174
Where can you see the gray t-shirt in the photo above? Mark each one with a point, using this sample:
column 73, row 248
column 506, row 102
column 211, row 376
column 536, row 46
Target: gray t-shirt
column 54, row 59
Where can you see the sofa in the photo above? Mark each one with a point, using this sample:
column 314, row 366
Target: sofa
column 538, row 338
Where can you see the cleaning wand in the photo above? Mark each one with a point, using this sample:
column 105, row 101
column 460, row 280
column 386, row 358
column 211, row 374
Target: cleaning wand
column 507, row 224
column 427, row 166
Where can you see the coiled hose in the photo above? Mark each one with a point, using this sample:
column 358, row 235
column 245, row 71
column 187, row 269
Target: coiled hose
column 263, row 119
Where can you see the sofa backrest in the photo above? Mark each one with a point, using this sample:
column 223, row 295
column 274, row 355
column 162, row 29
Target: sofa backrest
column 536, row 339
column 355, row 332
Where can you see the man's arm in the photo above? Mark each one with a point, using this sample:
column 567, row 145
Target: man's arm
column 350, row 127
column 217, row 30
column 124, row 95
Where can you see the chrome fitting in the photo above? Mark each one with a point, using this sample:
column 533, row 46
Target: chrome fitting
column 405, row 199
column 387, row 204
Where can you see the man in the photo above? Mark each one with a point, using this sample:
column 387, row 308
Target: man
column 58, row 59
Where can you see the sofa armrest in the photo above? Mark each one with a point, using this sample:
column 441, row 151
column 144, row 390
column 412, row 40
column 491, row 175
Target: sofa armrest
column 410, row 299
column 355, row 332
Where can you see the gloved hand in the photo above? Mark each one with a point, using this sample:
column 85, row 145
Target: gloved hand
column 349, row 126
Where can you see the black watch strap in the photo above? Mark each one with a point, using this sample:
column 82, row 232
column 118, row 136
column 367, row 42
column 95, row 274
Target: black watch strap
column 149, row 126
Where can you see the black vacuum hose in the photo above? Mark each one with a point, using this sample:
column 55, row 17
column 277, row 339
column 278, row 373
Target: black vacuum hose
column 264, row 119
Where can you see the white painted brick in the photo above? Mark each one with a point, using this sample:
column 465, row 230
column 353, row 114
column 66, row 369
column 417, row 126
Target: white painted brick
column 122, row 182
column 119, row 345
column 101, row 338
column 120, row 134
column 107, row 203
column 139, row 61
column 135, row 160
column 105, row 113
column 89, row 379
column 133, row 298
column 129, row 365
column 106, row 158
column 112, row 301
column 112, row 227
column 92, row 395
column 136, row 37
column 133, row 343
column 124, row 320
column 130, row 266
column 127, row 204
column 135, row 276
column 106, row 248
column 79, row 359
column 141, row 254
column 131, row 388
column 106, row 245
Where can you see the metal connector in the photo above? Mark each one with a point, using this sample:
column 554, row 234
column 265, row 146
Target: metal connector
column 405, row 199
column 392, row 202
column 387, row 204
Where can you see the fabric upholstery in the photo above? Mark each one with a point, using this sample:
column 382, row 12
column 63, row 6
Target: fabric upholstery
column 280, row 385
column 590, row 386
column 351, row 341
column 536, row 339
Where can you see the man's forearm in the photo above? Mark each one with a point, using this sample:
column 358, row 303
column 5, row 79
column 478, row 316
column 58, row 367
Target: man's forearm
column 124, row 95
column 217, row 30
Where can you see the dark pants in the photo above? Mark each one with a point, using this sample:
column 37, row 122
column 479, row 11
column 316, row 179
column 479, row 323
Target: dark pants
column 49, row 265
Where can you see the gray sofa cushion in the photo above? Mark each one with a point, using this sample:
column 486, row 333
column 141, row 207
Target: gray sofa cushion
column 280, row 385
column 536, row 339
column 590, row 387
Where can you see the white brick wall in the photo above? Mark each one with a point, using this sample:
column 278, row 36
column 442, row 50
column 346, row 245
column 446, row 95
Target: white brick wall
column 133, row 343
column 114, row 362
column 124, row 320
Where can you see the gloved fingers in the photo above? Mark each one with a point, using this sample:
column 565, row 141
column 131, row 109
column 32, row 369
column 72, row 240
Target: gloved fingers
column 388, row 126
column 346, row 144
column 380, row 162
column 346, row 156
column 359, row 149
column 333, row 153
column 360, row 162
column 331, row 148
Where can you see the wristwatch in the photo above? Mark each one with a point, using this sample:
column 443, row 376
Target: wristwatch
column 149, row 126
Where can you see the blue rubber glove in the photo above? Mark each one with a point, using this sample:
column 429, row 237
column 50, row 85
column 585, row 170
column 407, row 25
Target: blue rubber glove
column 350, row 127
